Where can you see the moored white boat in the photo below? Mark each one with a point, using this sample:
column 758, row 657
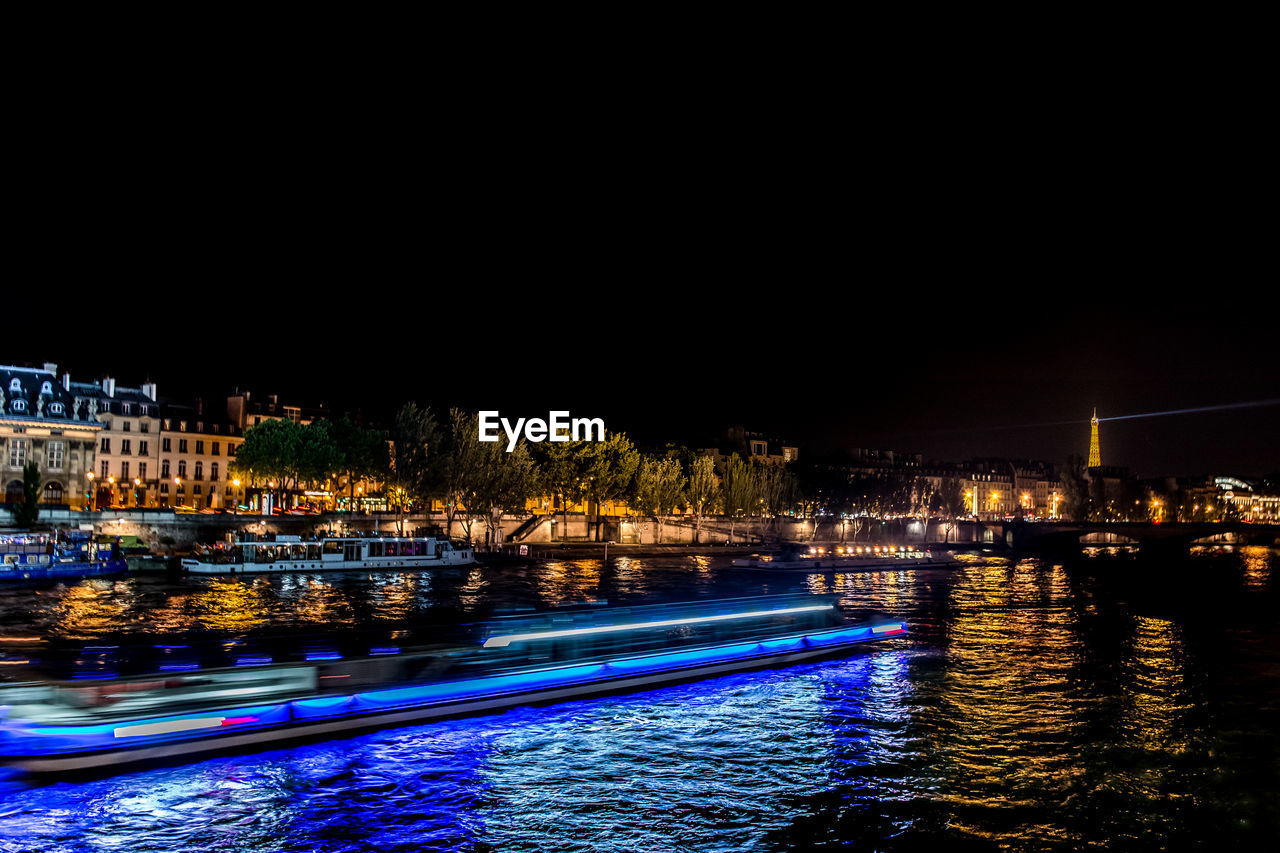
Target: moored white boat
column 328, row 554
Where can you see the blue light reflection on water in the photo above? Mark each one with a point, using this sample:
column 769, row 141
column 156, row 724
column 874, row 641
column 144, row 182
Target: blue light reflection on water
column 1031, row 707
column 655, row 770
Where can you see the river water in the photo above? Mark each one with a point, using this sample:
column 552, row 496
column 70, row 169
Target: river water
column 1034, row 706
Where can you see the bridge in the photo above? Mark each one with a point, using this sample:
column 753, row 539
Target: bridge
column 1153, row 540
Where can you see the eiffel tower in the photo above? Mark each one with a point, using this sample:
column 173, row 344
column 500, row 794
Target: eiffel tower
column 1095, row 451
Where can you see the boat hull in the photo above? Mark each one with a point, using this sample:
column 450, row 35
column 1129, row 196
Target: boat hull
column 196, row 567
column 547, row 686
column 837, row 565
column 22, row 572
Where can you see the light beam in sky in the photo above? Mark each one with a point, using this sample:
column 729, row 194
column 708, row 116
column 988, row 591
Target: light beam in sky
column 1249, row 405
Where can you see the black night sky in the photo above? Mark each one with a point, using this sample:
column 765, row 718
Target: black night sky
column 831, row 370
column 921, row 302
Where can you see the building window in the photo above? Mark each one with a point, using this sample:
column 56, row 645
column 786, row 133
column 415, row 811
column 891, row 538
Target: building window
column 17, row 451
column 124, row 426
column 106, row 470
column 164, row 487
column 56, row 409
column 213, row 449
column 199, row 447
column 182, row 445
column 182, row 468
column 124, row 470
column 55, row 453
column 164, row 445
column 144, row 426
column 53, row 493
column 199, row 470
column 126, row 448
column 15, row 387
column 164, row 469
column 196, row 489
column 142, row 470
column 126, row 409
column 213, row 471
column 19, row 405
column 142, row 448
column 231, row 450
column 105, row 446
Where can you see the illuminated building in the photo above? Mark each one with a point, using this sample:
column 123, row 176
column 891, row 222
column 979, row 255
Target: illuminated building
column 125, row 469
column 1095, row 450
column 41, row 422
column 195, row 452
column 1247, row 501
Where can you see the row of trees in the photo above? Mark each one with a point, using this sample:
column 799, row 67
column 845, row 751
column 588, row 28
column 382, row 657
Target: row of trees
column 429, row 459
column 287, row 456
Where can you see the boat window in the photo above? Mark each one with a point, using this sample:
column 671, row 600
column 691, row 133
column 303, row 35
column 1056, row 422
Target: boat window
column 265, row 554
column 392, row 549
column 313, row 552
column 351, row 551
column 375, row 549
column 298, row 552
column 332, row 546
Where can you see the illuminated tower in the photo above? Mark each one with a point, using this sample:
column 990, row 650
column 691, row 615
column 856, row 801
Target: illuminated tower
column 1095, row 452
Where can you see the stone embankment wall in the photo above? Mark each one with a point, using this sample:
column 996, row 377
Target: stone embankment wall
column 164, row 531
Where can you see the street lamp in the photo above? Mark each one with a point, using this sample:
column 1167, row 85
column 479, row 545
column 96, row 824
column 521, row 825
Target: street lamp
column 93, row 493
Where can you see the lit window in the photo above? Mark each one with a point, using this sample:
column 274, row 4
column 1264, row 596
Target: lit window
column 17, row 451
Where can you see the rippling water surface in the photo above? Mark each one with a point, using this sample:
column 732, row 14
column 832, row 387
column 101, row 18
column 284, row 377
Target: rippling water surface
column 1034, row 706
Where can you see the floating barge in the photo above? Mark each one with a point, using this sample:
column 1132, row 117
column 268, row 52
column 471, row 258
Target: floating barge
column 187, row 711
column 848, row 559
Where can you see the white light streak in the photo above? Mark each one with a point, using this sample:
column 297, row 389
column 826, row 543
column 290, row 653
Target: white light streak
column 503, row 642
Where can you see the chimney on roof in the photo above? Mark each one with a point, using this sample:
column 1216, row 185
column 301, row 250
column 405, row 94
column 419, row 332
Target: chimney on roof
column 149, row 390
column 108, row 386
column 66, row 381
column 51, row 367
